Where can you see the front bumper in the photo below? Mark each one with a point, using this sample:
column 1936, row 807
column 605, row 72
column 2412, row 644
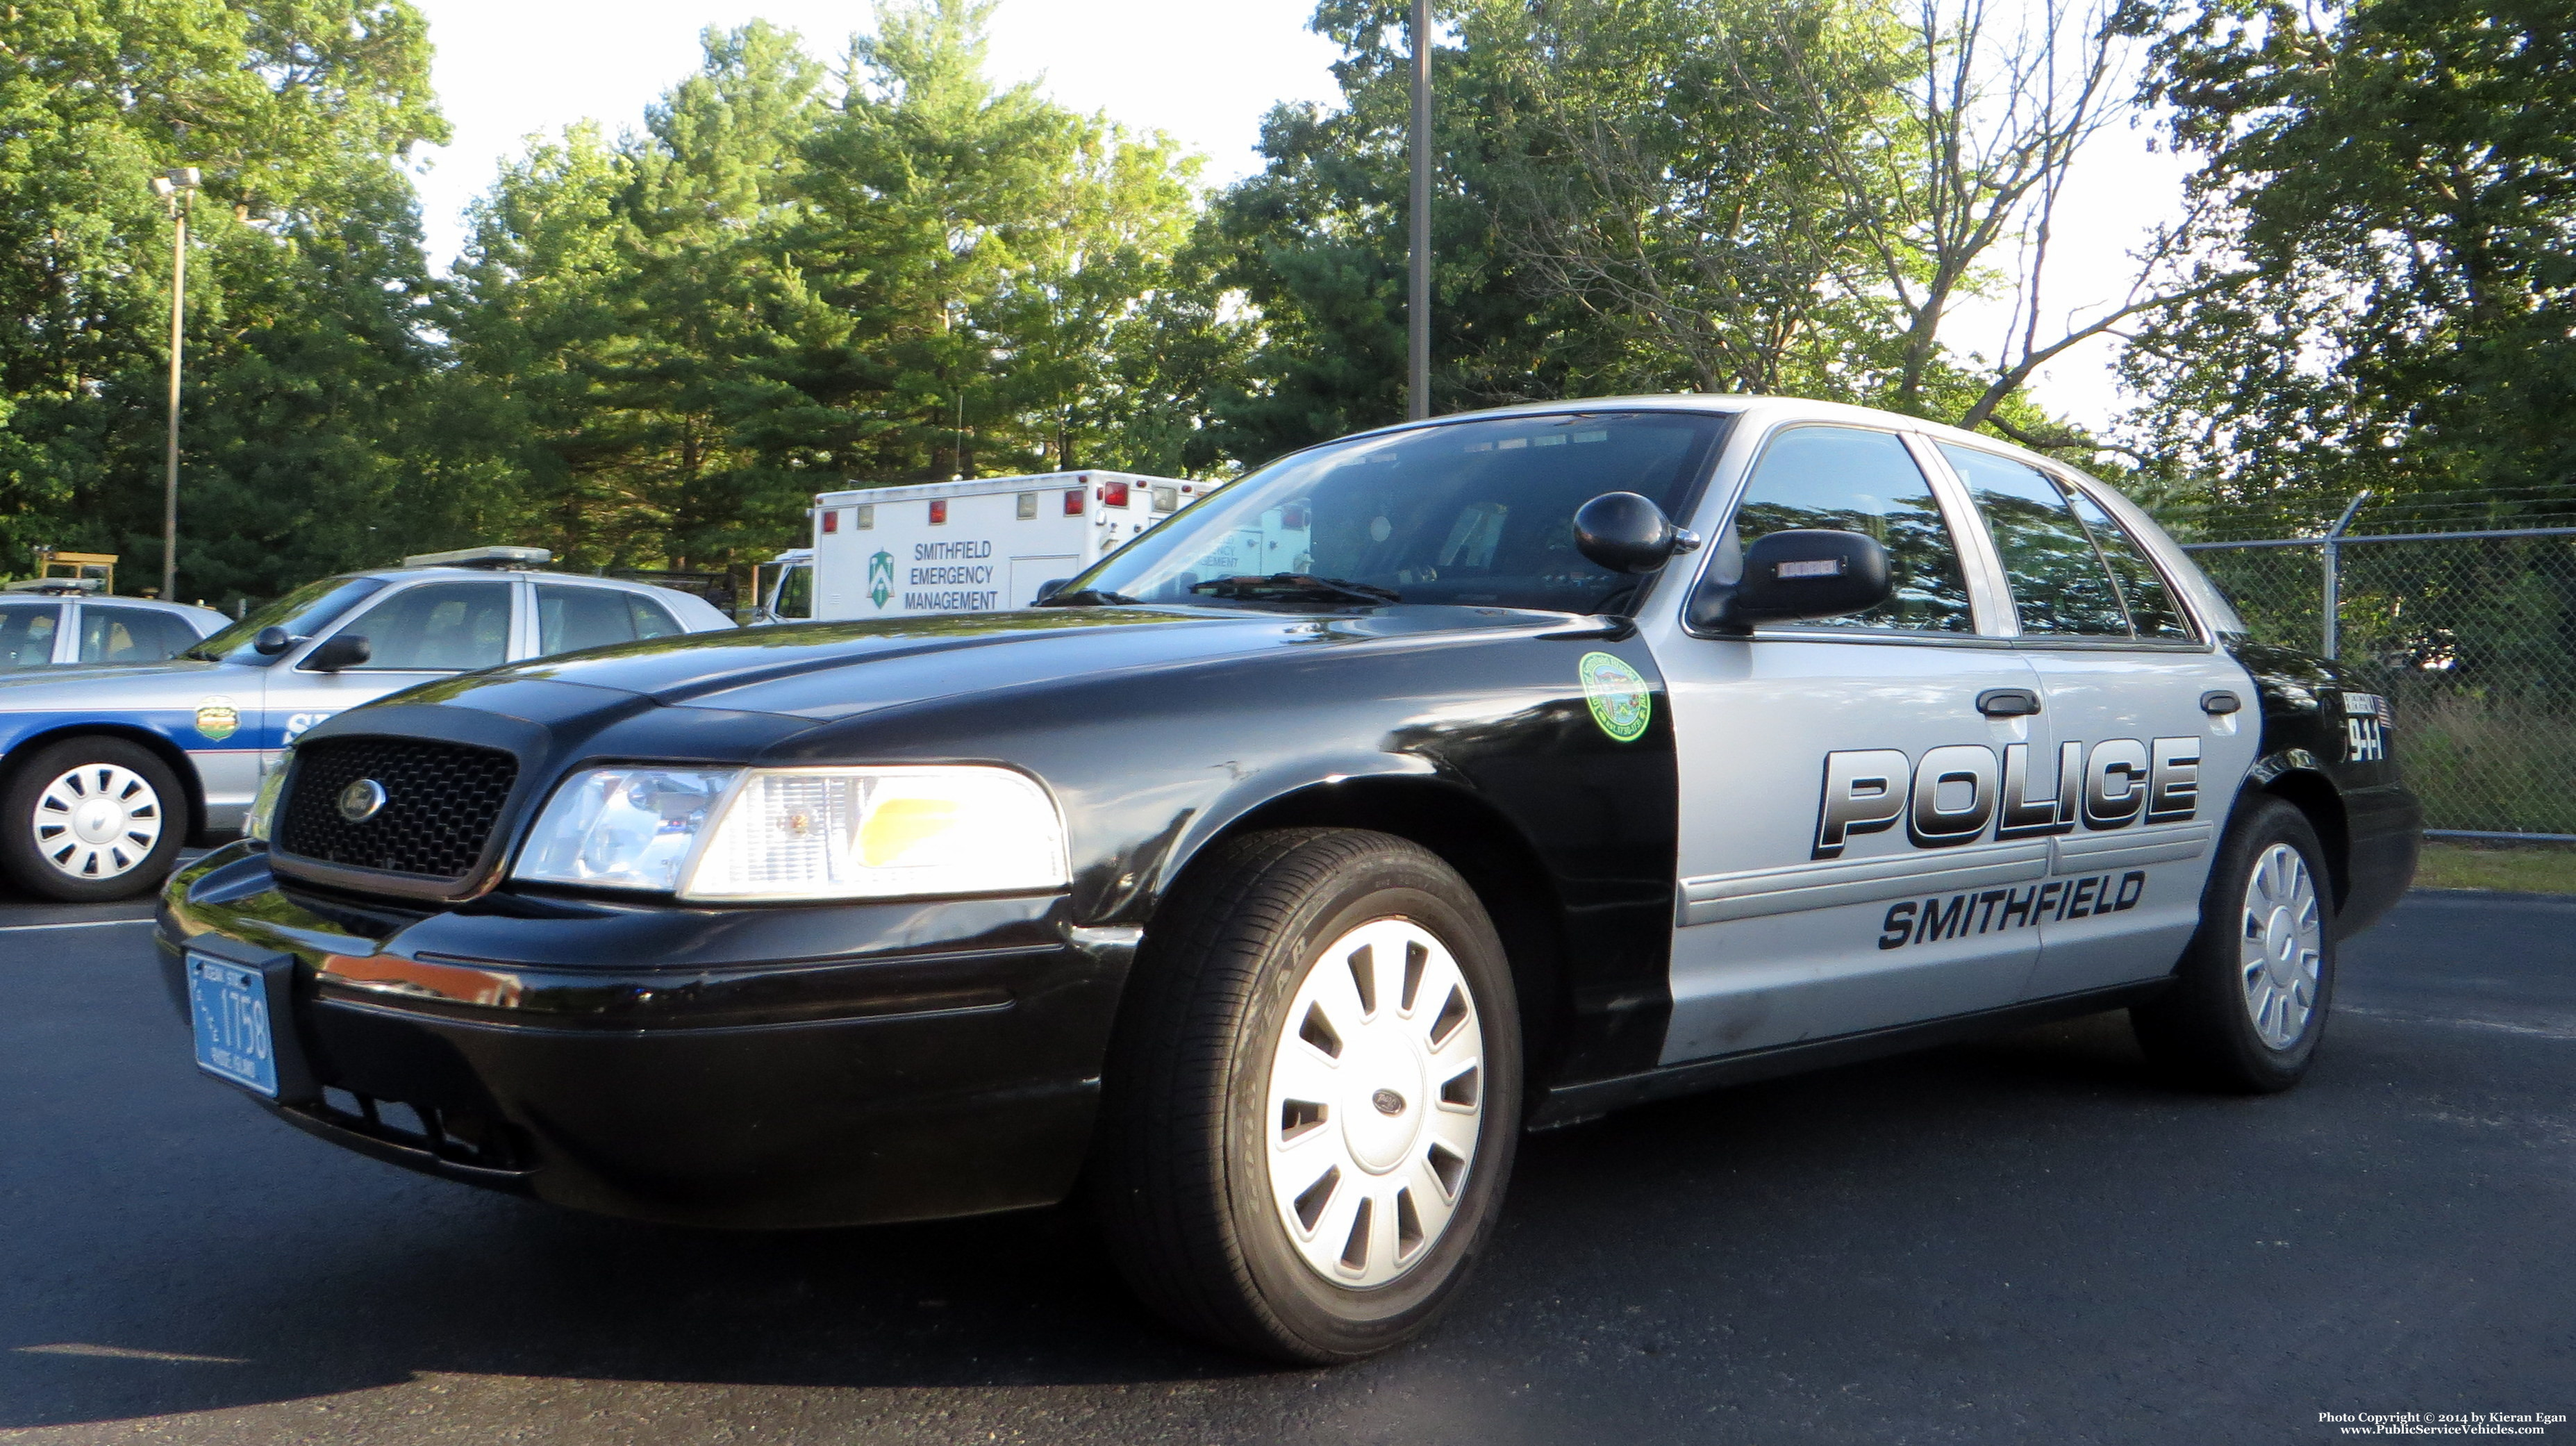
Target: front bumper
column 751, row 1067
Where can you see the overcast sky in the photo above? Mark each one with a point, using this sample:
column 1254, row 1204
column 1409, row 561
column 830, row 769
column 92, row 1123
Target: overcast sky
column 1203, row 70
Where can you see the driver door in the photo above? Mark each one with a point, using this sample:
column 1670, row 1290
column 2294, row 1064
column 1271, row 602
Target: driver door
column 1841, row 789
column 430, row 629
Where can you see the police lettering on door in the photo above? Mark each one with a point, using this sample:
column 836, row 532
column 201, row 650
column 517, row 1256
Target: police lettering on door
column 1959, row 793
column 1956, row 794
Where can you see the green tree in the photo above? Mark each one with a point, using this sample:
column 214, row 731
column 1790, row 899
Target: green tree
column 309, row 376
column 2400, row 177
column 793, row 277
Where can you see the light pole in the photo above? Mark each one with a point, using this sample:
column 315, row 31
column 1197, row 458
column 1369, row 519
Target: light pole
column 1418, row 302
column 176, row 189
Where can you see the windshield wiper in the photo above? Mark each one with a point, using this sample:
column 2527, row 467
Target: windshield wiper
column 1090, row 597
column 1297, row 584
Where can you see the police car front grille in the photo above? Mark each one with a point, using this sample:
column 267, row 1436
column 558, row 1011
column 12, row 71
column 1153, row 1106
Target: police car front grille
column 441, row 800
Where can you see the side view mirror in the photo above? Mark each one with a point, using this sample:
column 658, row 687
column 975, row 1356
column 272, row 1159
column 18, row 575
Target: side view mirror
column 272, row 641
column 1050, row 588
column 1799, row 575
column 346, row 650
column 1625, row 532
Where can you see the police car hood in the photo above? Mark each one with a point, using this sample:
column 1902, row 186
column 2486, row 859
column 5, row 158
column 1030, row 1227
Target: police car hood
column 180, row 682
column 827, row 671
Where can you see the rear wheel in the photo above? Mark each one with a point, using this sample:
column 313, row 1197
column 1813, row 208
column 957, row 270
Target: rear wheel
column 1313, row 1097
column 2249, row 999
column 91, row 819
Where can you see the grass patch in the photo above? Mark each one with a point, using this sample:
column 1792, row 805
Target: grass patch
column 2505, row 764
column 2515, row 868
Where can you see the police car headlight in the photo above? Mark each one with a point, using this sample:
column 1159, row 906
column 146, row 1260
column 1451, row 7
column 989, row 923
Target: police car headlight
column 774, row 834
column 263, row 808
column 876, row 833
column 624, row 828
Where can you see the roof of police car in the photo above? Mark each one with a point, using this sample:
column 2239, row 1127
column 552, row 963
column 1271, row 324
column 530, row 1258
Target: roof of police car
column 1715, row 403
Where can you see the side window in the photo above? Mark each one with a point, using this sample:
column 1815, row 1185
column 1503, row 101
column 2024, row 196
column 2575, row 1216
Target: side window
column 2151, row 605
column 438, row 627
column 131, row 635
column 652, row 620
column 27, row 636
column 573, row 618
column 2059, row 585
column 1851, row 480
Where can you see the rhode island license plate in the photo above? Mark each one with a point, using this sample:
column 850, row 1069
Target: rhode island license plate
column 230, row 1010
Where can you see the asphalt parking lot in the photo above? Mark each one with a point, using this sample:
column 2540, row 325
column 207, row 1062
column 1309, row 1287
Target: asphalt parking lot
column 2029, row 1239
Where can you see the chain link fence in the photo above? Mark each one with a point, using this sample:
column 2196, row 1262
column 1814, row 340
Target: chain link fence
column 2470, row 631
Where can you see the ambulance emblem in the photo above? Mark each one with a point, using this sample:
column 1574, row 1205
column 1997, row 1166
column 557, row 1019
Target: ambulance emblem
column 881, row 578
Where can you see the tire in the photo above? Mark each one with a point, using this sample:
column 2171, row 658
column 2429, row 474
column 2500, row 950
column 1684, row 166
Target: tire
column 88, row 820
column 1246, row 999
column 2249, row 1000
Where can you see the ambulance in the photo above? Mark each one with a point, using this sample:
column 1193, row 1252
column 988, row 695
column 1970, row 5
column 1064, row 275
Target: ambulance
column 987, row 544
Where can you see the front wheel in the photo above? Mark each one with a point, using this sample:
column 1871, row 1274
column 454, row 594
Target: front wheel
column 1313, row 1096
column 91, row 819
column 2249, row 1000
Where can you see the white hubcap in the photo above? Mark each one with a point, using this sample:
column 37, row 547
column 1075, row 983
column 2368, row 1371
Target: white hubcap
column 1377, row 1087
column 97, row 821
column 2282, row 946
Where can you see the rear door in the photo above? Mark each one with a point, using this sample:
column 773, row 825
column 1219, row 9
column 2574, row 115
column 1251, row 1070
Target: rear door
column 2126, row 679
column 571, row 616
column 1846, row 857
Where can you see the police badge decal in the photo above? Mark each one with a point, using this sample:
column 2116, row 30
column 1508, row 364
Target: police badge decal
column 218, row 719
column 1621, row 702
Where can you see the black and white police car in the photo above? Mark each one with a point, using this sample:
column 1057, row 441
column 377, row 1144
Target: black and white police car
column 1600, row 751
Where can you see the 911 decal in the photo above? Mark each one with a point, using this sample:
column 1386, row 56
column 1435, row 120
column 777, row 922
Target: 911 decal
column 2365, row 721
column 2056, row 901
column 1953, row 795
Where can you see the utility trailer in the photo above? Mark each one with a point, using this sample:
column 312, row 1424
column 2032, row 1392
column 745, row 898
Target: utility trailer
column 985, row 545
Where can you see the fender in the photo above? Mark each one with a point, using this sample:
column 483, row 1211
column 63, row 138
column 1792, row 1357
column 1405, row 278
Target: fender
column 1275, row 781
column 2271, row 767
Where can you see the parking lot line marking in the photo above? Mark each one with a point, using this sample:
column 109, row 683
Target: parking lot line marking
column 82, row 924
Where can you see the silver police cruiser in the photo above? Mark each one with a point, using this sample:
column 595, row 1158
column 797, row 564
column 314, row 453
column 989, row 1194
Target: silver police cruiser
column 1591, row 753
column 108, row 766
column 56, row 622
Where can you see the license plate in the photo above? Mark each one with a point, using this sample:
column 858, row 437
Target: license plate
column 230, row 1009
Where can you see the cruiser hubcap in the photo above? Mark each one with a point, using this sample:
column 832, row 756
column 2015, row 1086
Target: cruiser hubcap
column 2282, row 946
column 1376, row 1093
column 97, row 821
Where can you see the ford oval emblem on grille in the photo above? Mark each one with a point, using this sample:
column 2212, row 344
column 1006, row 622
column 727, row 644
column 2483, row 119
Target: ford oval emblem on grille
column 362, row 800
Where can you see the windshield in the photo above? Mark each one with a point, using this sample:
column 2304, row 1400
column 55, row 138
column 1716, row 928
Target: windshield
column 1474, row 513
column 303, row 612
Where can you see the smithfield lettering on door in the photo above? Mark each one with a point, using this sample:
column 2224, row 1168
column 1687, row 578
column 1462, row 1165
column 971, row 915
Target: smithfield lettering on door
column 1954, row 794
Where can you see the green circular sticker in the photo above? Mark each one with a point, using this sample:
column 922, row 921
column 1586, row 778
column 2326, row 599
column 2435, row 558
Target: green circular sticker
column 1620, row 701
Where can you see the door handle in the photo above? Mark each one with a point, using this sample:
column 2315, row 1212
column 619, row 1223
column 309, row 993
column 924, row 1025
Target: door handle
column 2220, row 701
column 2008, row 702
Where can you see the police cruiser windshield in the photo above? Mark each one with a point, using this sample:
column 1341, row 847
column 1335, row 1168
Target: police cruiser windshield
column 1470, row 513
column 303, row 612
